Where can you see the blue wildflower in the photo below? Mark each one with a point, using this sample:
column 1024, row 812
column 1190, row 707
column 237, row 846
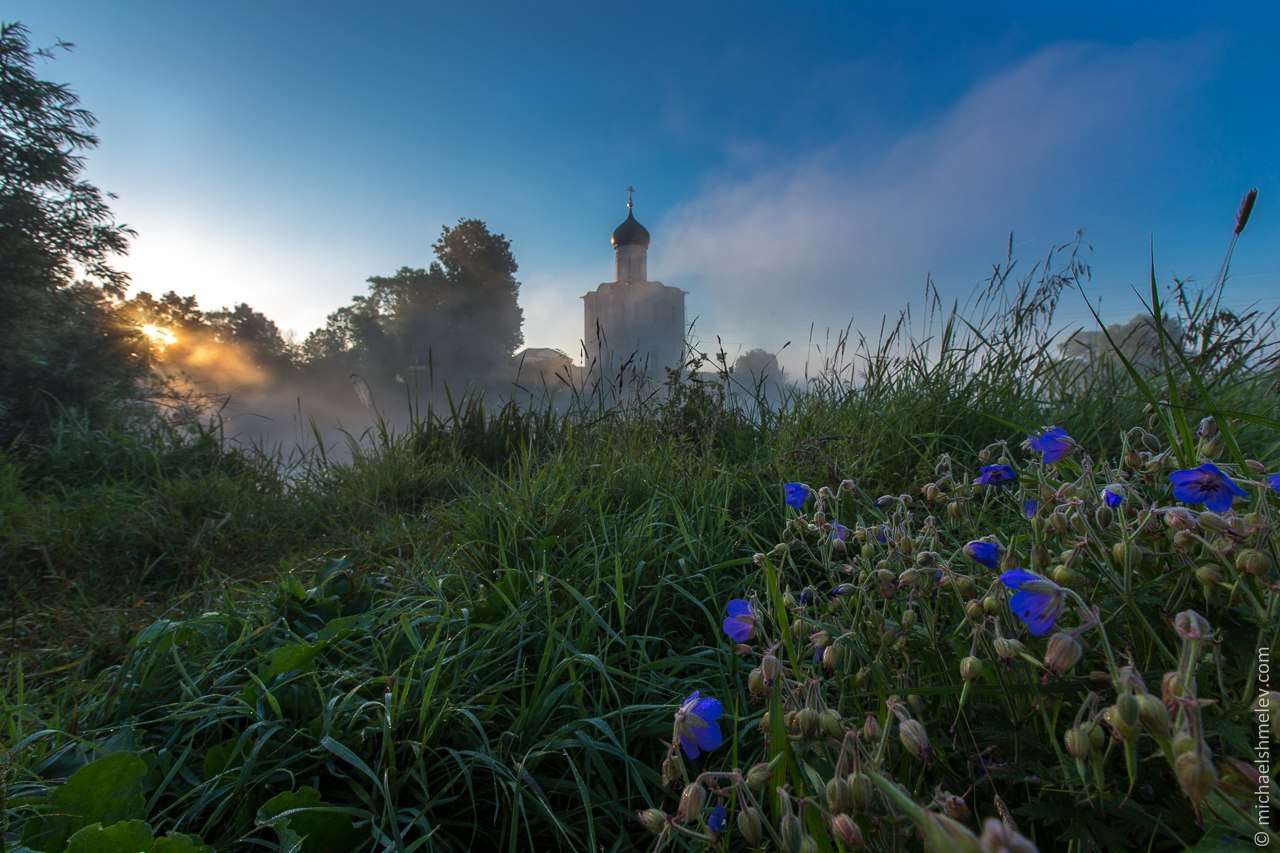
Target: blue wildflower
column 984, row 553
column 797, row 494
column 1031, row 507
column 839, row 531
column 1113, row 495
column 1037, row 601
column 1208, row 485
column 1053, row 442
column 995, row 475
column 880, row 532
column 742, row 621
column 844, row 589
column 696, row 725
column 719, row 819
column 1274, row 482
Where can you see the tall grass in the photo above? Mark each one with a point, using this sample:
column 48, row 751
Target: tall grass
column 473, row 635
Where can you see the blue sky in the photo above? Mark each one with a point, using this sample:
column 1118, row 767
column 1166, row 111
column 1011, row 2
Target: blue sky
column 799, row 165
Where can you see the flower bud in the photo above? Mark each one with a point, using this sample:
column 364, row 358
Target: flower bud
column 846, row 831
column 1077, row 743
column 1008, row 650
column 1190, row 625
column 1058, row 522
column 871, row 728
column 928, row 559
column 755, row 682
column 832, row 656
column 913, row 736
column 945, row 835
column 751, row 826
column 954, row 807
column 692, row 799
column 807, row 722
column 1196, row 774
column 771, row 668
column 1154, row 715
column 672, row 770
column 1068, row 577
column 970, row 668
column 758, row 776
column 653, row 820
column 1039, row 556
column 1211, row 521
column 831, row 724
column 838, row 795
column 955, row 510
column 1210, row 574
column 1180, row 518
column 1172, row 687
column 1251, row 561
column 973, row 611
column 991, row 605
column 860, row 790
column 792, row 833
column 1127, row 709
column 1103, row 516
column 907, row 620
column 998, row 838
column 1062, row 653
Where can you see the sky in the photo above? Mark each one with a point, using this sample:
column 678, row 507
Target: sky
column 800, row 166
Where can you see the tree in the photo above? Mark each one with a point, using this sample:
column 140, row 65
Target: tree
column 60, row 345
column 461, row 316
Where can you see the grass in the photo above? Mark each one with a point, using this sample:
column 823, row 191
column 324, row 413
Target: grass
column 475, row 634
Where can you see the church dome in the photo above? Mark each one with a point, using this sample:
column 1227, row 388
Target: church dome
column 631, row 233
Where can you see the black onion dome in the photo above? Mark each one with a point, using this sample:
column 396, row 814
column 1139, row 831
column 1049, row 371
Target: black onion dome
column 631, row 233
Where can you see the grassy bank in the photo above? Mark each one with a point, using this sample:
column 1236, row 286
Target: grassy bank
column 479, row 632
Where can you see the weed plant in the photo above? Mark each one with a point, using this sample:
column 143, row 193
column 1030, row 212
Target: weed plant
column 499, row 627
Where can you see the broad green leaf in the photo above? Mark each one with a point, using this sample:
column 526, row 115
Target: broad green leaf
column 127, row 836
column 303, row 822
column 105, row 791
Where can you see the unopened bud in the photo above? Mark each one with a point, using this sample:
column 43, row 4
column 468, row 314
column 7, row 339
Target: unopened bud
column 998, row 838
column 1062, row 653
column 1251, row 561
column 1172, row 687
column 908, row 619
column 807, row 722
column 955, row 510
column 954, row 807
column 692, row 799
column 1039, row 556
column 1007, row 649
column 1190, row 625
column 1103, row 516
column 913, row 736
column 755, row 682
column 860, row 789
column 831, row 724
column 1154, row 715
column 751, row 825
column 1210, row 574
column 1065, row 576
column 792, row 833
column 1211, row 521
column 1058, row 522
column 970, row 668
column 846, row 831
column 945, row 835
column 973, row 611
column 758, row 776
column 672, row 770
column 1196, row 774
column 653, row 820
column 838, row 795
column 1077, row 743
column 771, row 668
column 871, row 728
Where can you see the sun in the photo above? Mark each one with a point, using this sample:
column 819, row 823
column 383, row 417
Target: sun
column 160, row 336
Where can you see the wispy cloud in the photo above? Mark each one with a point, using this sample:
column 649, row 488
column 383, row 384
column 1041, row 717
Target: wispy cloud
column 838, row 233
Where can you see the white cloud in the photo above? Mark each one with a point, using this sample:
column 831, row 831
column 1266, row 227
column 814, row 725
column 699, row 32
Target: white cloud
column 834, row 233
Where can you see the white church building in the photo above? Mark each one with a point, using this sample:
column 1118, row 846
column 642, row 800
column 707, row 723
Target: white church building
column 632, row 322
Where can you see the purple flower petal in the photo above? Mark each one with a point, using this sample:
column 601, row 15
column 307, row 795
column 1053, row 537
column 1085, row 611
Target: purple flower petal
column 1053, row 442
column 797, row 494
column 1208, row 485
column 995, row 475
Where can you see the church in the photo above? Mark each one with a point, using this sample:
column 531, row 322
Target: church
column 632, row 323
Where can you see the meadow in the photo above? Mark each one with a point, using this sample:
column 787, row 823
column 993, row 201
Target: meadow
column 955, row 595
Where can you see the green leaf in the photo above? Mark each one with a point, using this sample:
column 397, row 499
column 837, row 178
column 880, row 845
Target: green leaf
column 303, row 822
column 105, row 791
column 177, row 842
column 127, row 836
column 286, row 658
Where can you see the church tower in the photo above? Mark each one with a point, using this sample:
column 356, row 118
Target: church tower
column 632, row 321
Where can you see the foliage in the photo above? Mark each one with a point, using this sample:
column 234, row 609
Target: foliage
column 459, row 316
column 60, row 347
